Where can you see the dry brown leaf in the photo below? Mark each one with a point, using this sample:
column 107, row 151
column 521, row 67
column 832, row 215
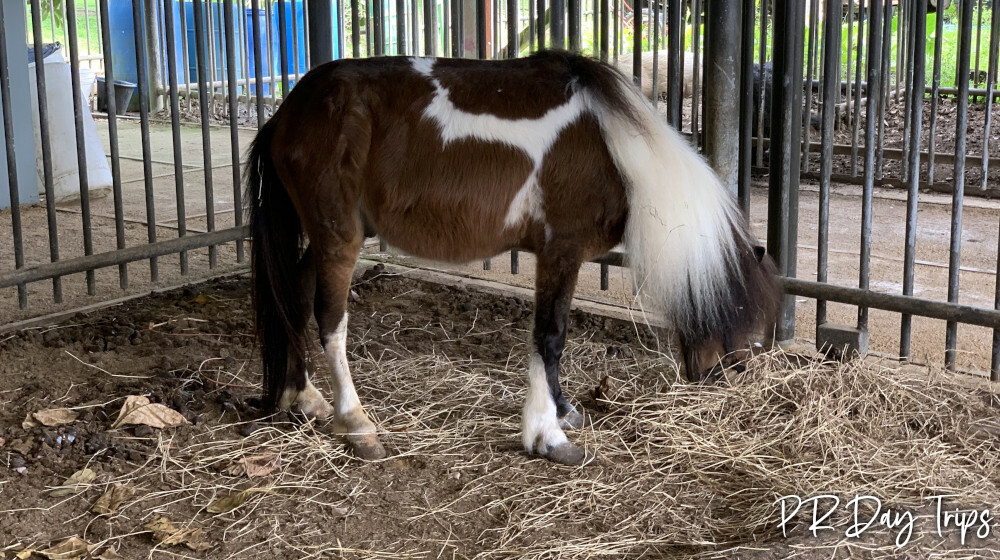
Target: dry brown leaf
column 55, row 416
column 138, row 410
column 166, row 534
column 70, row 549
column 24, row 554
column 255, row 465
column 232, row 501
column 110, row 501
column 75, row 484
column 29, row 421
column 109, row 554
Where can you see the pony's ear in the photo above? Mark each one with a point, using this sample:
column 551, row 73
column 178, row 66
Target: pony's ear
column 759, row 253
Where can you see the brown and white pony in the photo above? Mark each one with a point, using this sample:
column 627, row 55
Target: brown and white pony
column 459, row 160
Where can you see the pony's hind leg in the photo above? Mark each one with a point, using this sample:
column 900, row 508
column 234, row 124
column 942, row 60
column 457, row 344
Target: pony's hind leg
column 299, row 394
column 545, row 407
column 334, row 267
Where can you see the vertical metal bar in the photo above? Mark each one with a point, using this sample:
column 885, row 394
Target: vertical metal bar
column 355, row 29
column 856, row 120
column 746, row 110
column 654, row 45
column 991, row 80
column 675, row 44
column 850, row 56
column 153, row 54
column 446, row 25
column 273, row 72
column 175, row 125
column 786, row 124
column 872, row 112
column 596, row 29
column 12, row 182
column 810, row 69
column 430, row 27
column 916, row 88
column 481, row 29
column 958, row 192
column 637, row 47
column 234, row 132
column 282, row 47
column 979, row 37
column 605, row 25
column 573, row 21
column 44, row 135
column 116, row 175
column 184, row 54
column 762, row 101
column 210, row 54
column 415, row 27
column 557, row 20
column 512, row 36
column 540, row 28
column 605, row 277
column 907, row 14
column 293, row 20
column 142, row 87
column 721, row 137
column 206, row 139
column 617, row 30
column 494, row 29
column 696, row 83
column 81, row 147
column 532, row 21
column 831, row 83
column 378, row 19
column 258, row 61
column 935, row 92
column 886, row 71
column 320, row 25
column 401, row 47
column 247, row 50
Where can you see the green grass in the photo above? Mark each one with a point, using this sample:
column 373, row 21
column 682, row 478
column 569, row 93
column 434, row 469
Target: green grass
column 86, row 19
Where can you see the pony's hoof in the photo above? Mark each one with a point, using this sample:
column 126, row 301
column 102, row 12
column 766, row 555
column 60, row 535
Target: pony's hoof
column 568, row 454
column 573, row 420
column 366, row 446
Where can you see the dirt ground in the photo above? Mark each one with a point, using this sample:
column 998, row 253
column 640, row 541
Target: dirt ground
column 441, row 371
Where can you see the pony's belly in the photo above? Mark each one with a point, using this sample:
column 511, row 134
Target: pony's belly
column 448, row 236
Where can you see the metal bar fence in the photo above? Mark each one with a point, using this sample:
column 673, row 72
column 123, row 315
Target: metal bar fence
column 236, row 60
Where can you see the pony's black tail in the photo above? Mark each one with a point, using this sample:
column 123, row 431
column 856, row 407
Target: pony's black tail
column 275, row 235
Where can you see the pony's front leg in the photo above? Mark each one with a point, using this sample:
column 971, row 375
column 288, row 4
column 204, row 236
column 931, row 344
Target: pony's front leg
column 546, row 411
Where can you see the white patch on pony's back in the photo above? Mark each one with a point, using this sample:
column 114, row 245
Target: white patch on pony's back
column 534, row 137
column 540, row 431
column 680, row 233
column 424, row 66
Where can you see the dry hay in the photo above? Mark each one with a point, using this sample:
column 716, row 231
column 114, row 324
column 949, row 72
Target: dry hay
column 682, row 470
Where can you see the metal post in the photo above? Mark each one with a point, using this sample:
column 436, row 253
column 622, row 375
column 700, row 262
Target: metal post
column 723, row 50
column 675, row 44
column 152, row 54
column 786, row 124
column 320, row 31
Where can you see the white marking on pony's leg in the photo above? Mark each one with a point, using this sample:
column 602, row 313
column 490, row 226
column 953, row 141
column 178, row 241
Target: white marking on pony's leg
column 346, row 405
column 308, row 401
column 349, row 417
column 540, row 431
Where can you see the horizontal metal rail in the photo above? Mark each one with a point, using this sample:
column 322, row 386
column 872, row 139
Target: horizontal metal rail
column 115, row 258
column 877, row 300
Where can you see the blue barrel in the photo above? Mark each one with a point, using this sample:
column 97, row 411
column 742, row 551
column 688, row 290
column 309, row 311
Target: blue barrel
column 218, row 34
column 266, row 65
column 123, row 55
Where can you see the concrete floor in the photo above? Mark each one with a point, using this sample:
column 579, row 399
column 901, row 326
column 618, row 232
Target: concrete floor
column 978, row 275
